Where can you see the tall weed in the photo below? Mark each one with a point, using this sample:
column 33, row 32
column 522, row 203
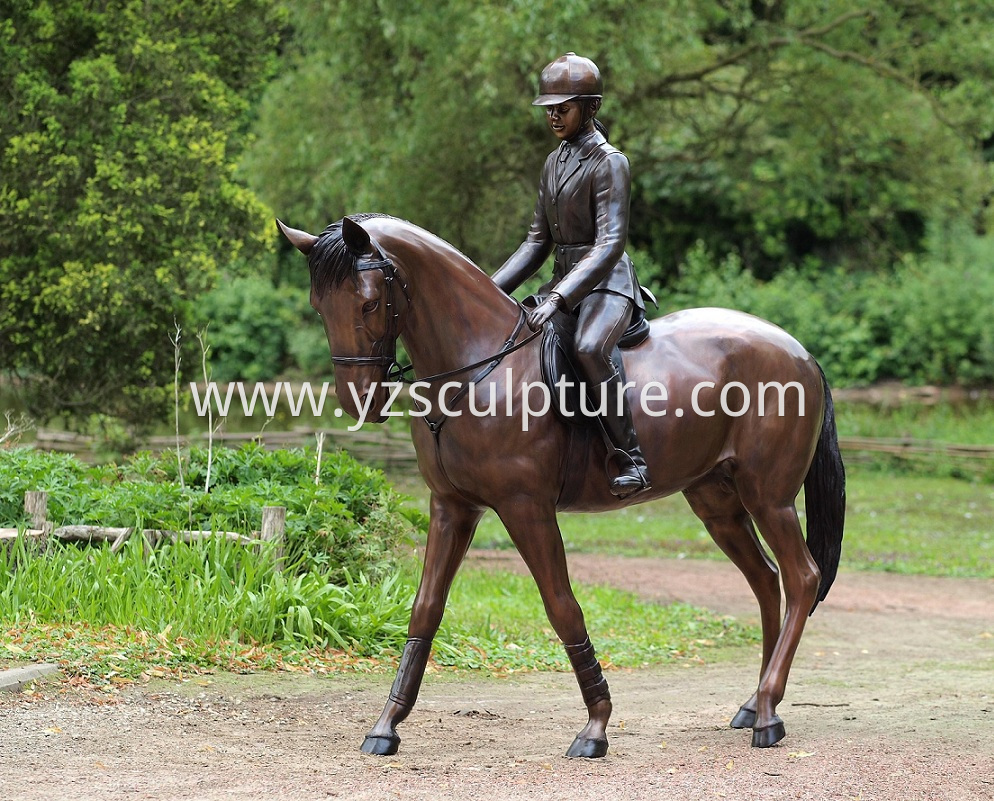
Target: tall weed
column 214, row 590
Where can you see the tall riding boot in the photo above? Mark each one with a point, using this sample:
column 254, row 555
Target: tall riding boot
column 633, row 474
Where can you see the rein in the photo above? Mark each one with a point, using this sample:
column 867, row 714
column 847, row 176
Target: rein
column 491, row 361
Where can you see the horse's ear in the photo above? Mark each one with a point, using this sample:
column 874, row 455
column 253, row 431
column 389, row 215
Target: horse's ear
column 356, row 237
column 301, row 240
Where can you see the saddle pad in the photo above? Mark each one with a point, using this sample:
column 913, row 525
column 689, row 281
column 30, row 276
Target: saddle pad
column 558, row 366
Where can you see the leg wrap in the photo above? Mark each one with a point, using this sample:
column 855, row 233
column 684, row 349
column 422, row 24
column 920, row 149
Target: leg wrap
column 593, row 685
column 410, row 672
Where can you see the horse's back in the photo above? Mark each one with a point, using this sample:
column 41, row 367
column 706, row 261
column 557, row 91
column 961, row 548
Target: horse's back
column 723, row 328
column 720, row 346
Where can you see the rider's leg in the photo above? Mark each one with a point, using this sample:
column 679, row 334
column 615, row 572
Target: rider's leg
column 603, row 318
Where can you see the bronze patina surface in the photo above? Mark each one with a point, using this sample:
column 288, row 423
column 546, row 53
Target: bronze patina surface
column 582, row 216
column 375, row 279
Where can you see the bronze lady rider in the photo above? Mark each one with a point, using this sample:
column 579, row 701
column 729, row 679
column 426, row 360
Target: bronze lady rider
column 582, row 214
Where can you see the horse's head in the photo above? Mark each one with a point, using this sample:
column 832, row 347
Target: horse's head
column 362, row 301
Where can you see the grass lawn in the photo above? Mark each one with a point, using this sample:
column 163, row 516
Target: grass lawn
column 899, row 523
column 961, row 423
column 500, row 617
column 929, row 516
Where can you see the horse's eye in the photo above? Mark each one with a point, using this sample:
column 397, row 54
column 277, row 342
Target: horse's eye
column 370, row 306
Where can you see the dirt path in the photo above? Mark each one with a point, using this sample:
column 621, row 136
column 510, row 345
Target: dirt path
column 891, row 699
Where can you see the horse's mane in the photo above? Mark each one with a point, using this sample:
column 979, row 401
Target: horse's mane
column 330, row 260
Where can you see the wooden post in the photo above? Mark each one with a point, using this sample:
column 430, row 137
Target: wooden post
column 36, row 506
column 273, row 530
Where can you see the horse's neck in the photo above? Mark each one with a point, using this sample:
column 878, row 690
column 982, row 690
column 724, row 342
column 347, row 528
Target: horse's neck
column 457, row 314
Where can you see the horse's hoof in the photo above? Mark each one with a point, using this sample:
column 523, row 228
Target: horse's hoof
column 378, row 745
column 588, row 749
column 744, row 719
column 768, row 735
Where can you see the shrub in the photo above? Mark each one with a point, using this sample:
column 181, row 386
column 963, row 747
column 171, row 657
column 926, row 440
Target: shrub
column 258, row 331
column 350, row 524
column 248, row 322
column 928, row 320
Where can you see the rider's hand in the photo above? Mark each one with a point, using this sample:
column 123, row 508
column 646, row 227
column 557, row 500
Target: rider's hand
column 542, row 313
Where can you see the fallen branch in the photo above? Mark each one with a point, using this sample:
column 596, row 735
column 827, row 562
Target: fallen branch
column 120, row 535
column 14, row 533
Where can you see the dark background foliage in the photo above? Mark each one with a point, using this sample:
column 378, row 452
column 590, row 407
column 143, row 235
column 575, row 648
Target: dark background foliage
column 824, row 164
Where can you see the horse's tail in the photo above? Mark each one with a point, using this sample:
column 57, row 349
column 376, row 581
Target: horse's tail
column 825, row 499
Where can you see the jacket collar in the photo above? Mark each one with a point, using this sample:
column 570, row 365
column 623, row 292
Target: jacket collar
column 584, row 145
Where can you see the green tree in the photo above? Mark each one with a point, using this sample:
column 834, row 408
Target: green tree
column 781, row 131
column 819, row 130
column 120, row 123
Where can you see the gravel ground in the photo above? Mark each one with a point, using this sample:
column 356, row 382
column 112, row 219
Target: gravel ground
column 891, row 699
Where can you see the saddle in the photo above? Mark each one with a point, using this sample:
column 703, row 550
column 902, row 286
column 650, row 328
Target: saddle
column 558, row 365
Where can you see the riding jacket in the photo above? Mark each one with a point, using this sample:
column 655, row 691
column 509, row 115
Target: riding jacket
column 582, row 214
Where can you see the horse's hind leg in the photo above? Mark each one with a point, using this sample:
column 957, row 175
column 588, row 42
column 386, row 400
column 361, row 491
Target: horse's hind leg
column 535, row 532
column 715, row 501
column 782, row 532
column 449, row 535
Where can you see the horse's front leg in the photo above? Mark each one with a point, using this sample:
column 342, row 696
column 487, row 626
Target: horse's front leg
column 450, row 532
column 534, row 530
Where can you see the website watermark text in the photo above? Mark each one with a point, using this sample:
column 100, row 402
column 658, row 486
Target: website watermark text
column 525, row 402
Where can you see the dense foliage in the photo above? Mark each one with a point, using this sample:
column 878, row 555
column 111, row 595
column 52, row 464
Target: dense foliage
column 258, row 331
column 784, row 132
column 927, row 320
column 351, row 522
column 120, row 124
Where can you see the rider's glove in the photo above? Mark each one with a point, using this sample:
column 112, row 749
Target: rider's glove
column 542, row 313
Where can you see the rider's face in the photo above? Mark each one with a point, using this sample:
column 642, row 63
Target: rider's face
column 565, row 119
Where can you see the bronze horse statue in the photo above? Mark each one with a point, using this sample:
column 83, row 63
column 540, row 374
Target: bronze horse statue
column 375, row 279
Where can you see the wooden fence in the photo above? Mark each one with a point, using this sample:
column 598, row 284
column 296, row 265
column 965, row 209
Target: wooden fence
column 380, row 447
column 36, row 508
column 394, row 451
column 915, row 447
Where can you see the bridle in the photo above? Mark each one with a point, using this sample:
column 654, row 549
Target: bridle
column 384, row 350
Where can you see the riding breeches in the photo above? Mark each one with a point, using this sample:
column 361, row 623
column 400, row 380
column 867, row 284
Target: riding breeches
column 603, row 318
